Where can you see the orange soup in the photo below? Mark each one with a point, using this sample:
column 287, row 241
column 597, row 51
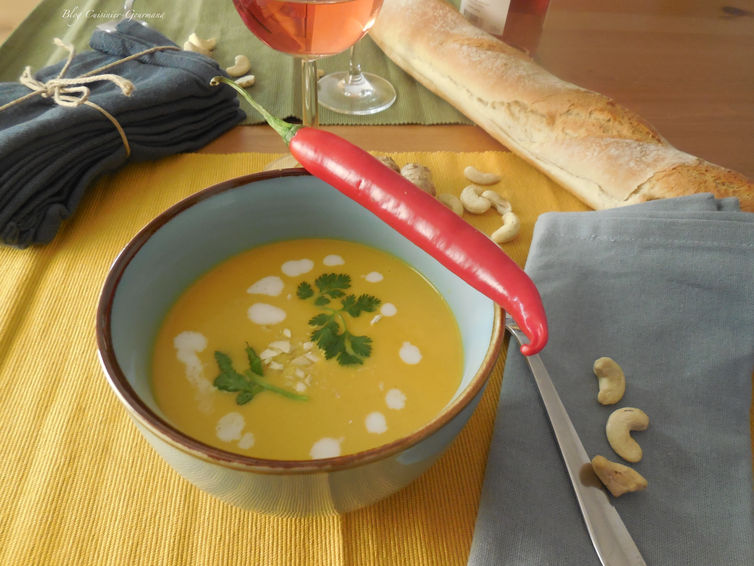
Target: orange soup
column 306, row 349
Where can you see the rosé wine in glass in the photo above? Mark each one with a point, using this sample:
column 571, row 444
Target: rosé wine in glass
column 309, row 29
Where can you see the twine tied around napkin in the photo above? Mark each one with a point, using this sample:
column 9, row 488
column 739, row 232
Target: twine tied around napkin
column 72, row 91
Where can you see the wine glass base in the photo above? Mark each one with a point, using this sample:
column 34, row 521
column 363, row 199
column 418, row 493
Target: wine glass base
column 366, row 94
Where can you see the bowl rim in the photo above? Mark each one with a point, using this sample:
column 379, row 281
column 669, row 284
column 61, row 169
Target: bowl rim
column 158, row 426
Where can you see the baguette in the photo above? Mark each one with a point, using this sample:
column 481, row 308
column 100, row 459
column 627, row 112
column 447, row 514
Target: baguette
column 605, row 154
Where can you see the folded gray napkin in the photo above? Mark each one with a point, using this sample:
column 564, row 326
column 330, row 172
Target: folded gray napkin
column 50, row 154
column 667, row 290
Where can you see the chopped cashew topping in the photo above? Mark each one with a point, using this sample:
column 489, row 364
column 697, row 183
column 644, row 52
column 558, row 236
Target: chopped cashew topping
column 617, row 478
column 452, row 202
column 612, row 381
column 240, row 67
column 618, row 428
column 420, row 176
column 473, row 201
column 509, row 230
column 479, row 177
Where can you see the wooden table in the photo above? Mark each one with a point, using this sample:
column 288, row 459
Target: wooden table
column 687, row 67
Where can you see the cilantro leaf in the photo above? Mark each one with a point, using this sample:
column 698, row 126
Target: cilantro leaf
column 331, row 328
column 329, row 339
column 229, row 379
column 230, row 382
column 364, row 303
column 361, row 345
column 248, row 384
column 255, row 362
column 244, row 397
column 304, row 290
column 333, row 284
column 346, row 359
column 320, row 319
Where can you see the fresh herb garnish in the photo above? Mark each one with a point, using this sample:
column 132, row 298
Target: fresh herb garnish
column 331, row 329
column 249, row 383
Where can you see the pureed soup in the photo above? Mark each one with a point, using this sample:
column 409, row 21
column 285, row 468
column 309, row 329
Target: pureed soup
column 303, row 349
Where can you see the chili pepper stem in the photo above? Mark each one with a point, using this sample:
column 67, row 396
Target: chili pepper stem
column 285, row 129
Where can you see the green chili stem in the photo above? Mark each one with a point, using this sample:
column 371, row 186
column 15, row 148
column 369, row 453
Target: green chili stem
column 285, row 129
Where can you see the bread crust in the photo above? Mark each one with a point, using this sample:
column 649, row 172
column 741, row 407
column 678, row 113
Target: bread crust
column 602, row 152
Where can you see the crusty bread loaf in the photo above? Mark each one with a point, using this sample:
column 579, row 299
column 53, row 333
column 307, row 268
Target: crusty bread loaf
column 602, row 152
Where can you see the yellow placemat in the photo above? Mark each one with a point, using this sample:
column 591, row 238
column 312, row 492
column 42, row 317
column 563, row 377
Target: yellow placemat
column 78, row 484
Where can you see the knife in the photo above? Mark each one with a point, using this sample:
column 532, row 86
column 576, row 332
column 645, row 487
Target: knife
column 609, row 534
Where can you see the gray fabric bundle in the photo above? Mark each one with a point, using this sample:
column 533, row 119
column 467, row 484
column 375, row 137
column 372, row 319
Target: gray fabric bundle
column 50, row 154
column 667, row 290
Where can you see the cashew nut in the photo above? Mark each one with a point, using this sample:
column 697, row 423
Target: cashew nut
column 452, row 202
column 207, row 44
column 509, row 229
column 241, row 66
column 473, row 201
column 617, row 478
column 420, row 176
column 611, row 379
column 246, row 81
column 618, row 429
column 500, row 204
column 480, row 178
column 188, row 46
column 390, row 162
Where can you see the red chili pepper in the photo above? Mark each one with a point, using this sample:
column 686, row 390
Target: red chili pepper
column 419, row 217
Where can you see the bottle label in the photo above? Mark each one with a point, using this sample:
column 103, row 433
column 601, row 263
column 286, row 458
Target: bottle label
column 489, row 15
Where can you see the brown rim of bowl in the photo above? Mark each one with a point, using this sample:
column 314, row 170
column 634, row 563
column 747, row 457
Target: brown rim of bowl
column 156, row 425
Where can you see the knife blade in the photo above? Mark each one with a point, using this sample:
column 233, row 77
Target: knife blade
column 608, row 533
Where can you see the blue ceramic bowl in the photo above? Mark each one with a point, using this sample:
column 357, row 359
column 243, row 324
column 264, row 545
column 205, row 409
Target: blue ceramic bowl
column 203, row 230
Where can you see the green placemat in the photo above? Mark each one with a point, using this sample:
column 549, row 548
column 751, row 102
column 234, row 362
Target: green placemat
column 277, row 75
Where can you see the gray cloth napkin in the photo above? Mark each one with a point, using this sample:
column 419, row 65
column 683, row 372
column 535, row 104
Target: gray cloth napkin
column 50, row 154
column 667, row 290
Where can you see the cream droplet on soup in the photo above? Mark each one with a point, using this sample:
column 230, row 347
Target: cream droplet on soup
column 297, row 267
column 333, row 259
column 262, row 313
column 247, row 441
column 388, row 309
column 230, row 426
column 410, row 354
column 374, row 277
column 395, row 399
column 325, row 448
column 376, row 423
column 271, row 285
column 187, row 344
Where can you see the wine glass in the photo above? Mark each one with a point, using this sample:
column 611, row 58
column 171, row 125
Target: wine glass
column 308, row 30
column 354, row 91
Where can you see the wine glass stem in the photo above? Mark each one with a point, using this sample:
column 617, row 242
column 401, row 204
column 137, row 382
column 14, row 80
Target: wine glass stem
column 309, row 111
column 354, row 69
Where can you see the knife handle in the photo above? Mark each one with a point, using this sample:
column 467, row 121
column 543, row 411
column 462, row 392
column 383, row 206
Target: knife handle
column 609, row 534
